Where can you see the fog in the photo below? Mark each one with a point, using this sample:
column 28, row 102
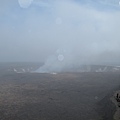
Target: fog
column 61, row 33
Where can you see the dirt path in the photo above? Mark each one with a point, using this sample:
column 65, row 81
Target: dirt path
column 117, row 113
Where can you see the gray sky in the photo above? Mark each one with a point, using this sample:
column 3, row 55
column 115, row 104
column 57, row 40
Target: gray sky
column 80, row 31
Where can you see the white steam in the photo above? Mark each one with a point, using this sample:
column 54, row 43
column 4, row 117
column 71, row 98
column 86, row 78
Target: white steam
column 82, row 33
column 58, row 62
column 86, row 36
column 25, row 3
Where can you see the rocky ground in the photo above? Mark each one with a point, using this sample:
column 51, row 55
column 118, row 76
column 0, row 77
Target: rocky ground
column 63, row 96
column 117, row 104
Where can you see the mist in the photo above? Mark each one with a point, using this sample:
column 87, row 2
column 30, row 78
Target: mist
column 61, row 34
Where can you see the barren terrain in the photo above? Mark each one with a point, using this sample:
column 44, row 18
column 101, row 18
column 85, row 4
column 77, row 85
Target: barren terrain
column 63, row 96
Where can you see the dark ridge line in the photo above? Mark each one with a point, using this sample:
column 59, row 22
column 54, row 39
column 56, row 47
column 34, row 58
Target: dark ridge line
column 105, row 107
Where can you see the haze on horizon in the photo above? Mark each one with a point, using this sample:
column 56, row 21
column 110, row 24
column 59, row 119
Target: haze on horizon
column 60, row 31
